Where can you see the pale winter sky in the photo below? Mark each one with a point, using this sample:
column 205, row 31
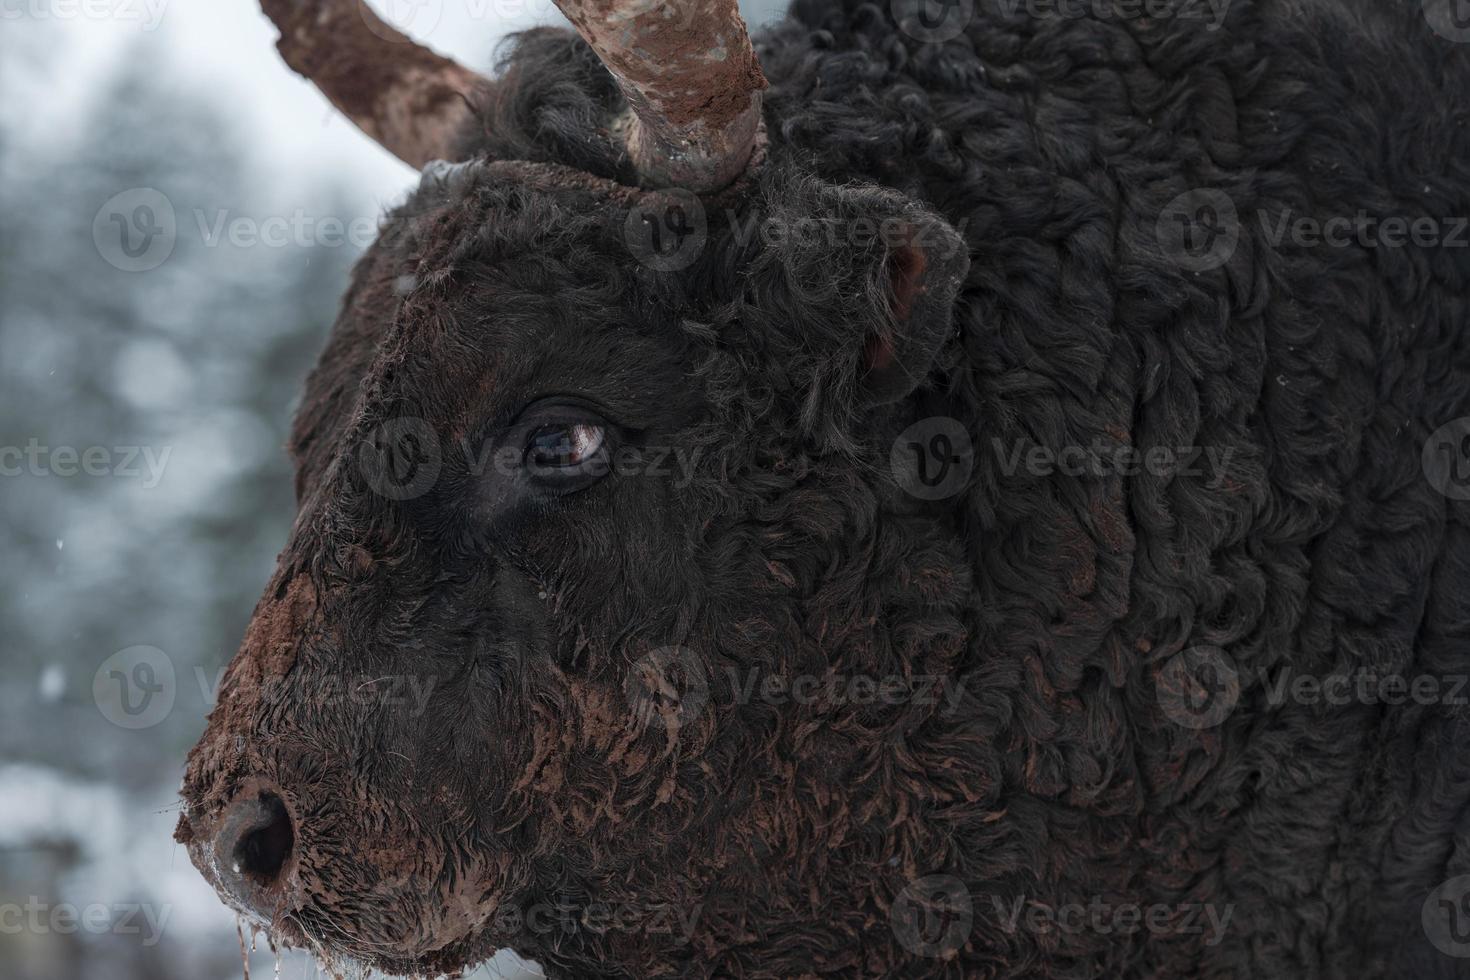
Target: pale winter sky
column 228, row 46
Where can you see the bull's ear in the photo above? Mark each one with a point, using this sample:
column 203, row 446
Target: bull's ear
column 924, row 264
column 861, row 282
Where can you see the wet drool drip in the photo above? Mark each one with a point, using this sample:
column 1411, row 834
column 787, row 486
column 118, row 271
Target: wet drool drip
column 244, row 953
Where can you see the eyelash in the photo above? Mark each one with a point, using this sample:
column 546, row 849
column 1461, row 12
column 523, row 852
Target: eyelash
column 583, row 440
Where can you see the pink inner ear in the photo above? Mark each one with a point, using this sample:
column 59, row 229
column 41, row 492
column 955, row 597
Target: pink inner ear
column 905, row 268
column 906, row 265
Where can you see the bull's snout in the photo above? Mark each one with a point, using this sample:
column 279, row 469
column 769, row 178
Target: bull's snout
column 252, row 849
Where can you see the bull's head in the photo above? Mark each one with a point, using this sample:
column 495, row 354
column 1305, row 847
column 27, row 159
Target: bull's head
column 563, row 486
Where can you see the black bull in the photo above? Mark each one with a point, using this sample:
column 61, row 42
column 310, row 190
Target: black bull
column 1020, row 529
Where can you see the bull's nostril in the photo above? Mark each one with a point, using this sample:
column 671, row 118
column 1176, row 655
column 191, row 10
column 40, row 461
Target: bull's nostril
column 254, row 843
column 262, row 851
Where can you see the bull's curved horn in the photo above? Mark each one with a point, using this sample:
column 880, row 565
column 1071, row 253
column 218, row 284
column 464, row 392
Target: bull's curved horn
column 403, row 95
column 691, row 79
column 686, row 68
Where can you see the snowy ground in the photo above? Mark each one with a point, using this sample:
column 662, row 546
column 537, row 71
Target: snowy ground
column 113, row 855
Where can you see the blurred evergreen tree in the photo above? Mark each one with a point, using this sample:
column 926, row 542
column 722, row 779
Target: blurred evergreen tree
column 201, row 357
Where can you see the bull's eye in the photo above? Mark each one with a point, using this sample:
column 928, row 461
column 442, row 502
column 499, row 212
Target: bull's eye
column 559, row 446
column 562, row 446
